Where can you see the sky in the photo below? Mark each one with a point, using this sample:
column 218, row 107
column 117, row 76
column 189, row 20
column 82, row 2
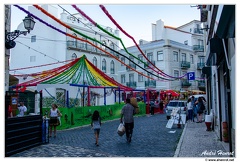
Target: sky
column 135, row 19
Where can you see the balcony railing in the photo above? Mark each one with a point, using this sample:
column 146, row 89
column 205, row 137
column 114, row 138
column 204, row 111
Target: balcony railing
column 150, row 83
column 186, row 83
column 200, row 65
column 132, row 66
column 74, row 45
column 198, row 31
column 198, row 48
column 185, row 64
column 149, row 64
column 201, row 84
column 131, row 84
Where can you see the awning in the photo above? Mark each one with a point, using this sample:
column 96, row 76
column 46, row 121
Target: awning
column 226, row 27
column 13, row 80
column 197, row 91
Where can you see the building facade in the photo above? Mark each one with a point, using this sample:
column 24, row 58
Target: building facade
column 219, row 22
column 175, row 51
column 45, row 45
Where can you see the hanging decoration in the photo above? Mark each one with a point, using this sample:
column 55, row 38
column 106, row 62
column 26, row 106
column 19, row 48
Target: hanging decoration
column 69, row 35
column 95, row 40
column 79, row 71
column 120, row 28
column 139, row 60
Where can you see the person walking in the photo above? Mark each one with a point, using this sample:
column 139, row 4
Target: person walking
column 200, row 109
column 127, row 112
column 152, row 106
column 161, row 106
column 190, row 110
column 96, row 125
column 54, row 113
column 193, row 100
column 22, row 109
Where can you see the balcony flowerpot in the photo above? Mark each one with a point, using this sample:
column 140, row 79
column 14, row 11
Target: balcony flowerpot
column 225, row 131
column 208, row 122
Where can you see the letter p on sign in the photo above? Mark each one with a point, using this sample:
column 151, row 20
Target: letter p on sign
column 191, row 76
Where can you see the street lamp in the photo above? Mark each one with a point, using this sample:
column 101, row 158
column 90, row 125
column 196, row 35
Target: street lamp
column 10, row 36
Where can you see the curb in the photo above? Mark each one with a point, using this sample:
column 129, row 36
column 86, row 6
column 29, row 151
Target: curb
column 176, row 154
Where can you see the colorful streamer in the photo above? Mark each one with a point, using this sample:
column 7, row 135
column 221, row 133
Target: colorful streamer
column 98, row 26
column 119, row 27
column 67, row 26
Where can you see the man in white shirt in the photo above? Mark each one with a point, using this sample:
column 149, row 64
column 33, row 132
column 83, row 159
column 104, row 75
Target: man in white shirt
column 22, row 109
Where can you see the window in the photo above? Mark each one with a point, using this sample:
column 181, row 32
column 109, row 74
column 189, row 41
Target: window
column 74, row 56
column 112, row 67
column 104, row 66
column 96, row 44
column 75, row 40
column 191, row 59
column 140, row 78
column 131, row 77
column 184, row 58
column 175, row 56
column 103, row 47
column 32, row 58
column 184, row 72
column 112, row 47
column 33, row 38
column 176, row 73
column 160, row 55
column 150, row 56
column 131, row 58
column 123, row 78
column 200, row 42
column 123, row 60
column 95, row 61
column 201, row 59
column 140, row 57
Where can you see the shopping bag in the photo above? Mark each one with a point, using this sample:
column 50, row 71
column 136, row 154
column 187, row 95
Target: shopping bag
column 121, row 129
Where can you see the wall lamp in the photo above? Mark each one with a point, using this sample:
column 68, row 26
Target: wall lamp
column 11, row 36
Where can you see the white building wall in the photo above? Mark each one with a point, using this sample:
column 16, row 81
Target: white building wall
column 51, row 46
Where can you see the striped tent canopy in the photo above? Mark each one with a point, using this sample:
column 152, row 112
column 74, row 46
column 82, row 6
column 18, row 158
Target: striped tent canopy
column 79, row 71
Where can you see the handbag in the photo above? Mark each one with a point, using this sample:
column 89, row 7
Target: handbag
column 121, row 129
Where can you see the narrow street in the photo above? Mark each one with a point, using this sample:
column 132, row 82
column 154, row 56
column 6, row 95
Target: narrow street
column 150, row 138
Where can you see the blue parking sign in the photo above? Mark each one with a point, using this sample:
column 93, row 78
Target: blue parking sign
column 191, row 75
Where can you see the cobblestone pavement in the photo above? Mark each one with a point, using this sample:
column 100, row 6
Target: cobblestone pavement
column 150, row 138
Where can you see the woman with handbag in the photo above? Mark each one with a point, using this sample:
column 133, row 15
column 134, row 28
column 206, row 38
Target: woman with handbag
column 200, row 109
column 54, row 121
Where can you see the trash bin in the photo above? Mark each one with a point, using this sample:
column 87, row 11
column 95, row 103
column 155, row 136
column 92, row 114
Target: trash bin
column 45, row 130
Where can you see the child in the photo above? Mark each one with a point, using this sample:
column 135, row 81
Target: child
column 96, row 125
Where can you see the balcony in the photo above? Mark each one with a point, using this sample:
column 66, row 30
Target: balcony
column 132, row 66
column 131, row 84
column 185, row 84
column 185, row 64
column 149, row 64
column 201, row 84
column 198, row 48
column 74, row 45
column 150, row 84
column 200, row 66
